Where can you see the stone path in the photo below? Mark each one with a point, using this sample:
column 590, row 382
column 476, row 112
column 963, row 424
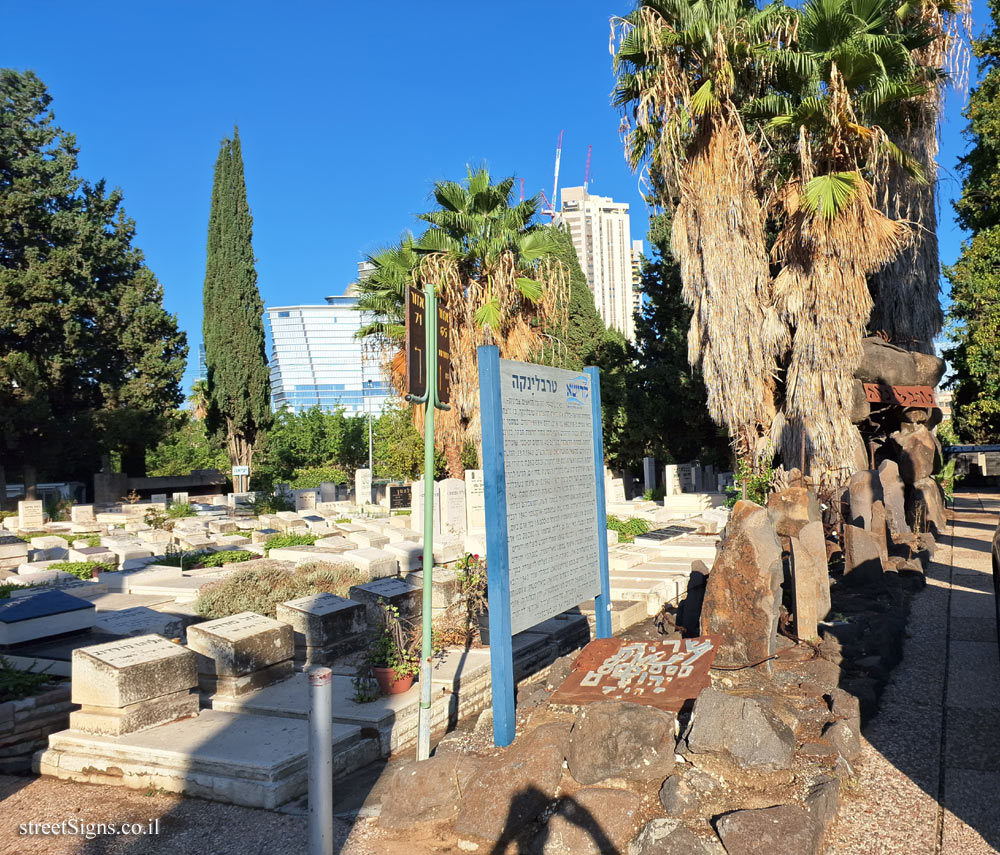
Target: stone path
column 929, row 776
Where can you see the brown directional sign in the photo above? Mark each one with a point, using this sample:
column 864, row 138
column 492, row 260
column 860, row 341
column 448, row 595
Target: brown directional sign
column 444, row 354
column 664, row 673
column 416, row 342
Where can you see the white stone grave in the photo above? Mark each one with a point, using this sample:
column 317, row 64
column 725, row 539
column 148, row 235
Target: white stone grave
column 452, row 497
column 82, row 513
column 43, row 615
column 475, row 502
column 362, row 486
column 30, row 515
column 241, row 653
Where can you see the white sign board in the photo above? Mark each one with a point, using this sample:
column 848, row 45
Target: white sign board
column 240, row 470
column 551, row 491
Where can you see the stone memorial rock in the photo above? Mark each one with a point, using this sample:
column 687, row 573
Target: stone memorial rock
column 862, row 556
column 864, row 488
column 241, row 653
column 617, row 739
column 43, row 615
column 791, row 509
column 784, row 828
column 325, row 626
column 926, row 505
column 666, row 836
column 811, row 580
column 880, row 532
column 82, row 513
column 742, row 729
column 362, row 486
column 916, row 452
column 129, row 685
column 743, row 592
column 893, row 495
column 30, row 515
column 428, row 791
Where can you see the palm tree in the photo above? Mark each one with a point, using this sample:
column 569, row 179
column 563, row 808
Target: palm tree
column 491, row 266
column 685, row 68
column 199, row 399
column 852, row 71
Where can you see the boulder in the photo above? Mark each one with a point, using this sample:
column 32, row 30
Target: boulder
column 929, row 369
column 689, row 609
column 880, row 532
column 668, row 837
column 593, row 821
column 860, row 408
column 822, row 802
column 893, row 496
column 741, row 728
column 429, row 791
column 926, row 506
column 791, row 509
column 882, row 362
column 862, row 557
column 743, row 593
column 845, row 738
column 617, row 739
column 916, row 452
column 863, row 490
column 679, row 794
column 785, row 828
column 516, row 786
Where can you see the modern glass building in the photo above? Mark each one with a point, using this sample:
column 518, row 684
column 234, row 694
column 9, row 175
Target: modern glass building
column 315, row 359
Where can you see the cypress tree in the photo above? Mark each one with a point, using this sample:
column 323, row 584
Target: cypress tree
column 239, row 387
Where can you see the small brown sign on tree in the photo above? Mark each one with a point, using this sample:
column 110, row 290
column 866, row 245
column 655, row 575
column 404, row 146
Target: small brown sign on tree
column 661, row 674
column 416, row 342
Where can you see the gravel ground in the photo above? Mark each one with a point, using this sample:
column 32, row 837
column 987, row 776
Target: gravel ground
column 928, row 779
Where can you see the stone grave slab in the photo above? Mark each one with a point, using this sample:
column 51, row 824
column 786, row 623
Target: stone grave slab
column 375, row 563
column 138, row 620
column 336, row 543
column 241, row 653
column 82, row 513
column 43, row 615
column 325, row 626
column 409, row 556
column 307, row 554
column 396, row 592
column 367, row 539
column 30, row 515
column 665, row 674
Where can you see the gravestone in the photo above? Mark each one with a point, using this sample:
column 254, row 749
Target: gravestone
column 132, row 684
column 305, row 500
column 671, row 480
column 724, row 480
column 417, row 513
column 13, row 552
column 649, row 473
column 327, row 492
column 617, row 495
column 475, row 501
column 811, row 580
column 400, row 497
column 362, row 486
column 30, row 515
column 43, row 615
column 180, row 499
column 139, row 620
column 82, row 513
column 686, row 476
column 241, row 653
column 159, row 498
column 452, row 493
column 325, row 626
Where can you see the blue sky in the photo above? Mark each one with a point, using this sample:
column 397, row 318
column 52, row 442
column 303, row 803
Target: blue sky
column 347, row 113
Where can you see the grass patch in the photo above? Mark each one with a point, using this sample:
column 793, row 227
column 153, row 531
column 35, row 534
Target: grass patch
column 232, row 556
column 181, row 509
column 276, row 541
column 627, row 529
column 259, row 589
column 16, row 683
column 83, row 569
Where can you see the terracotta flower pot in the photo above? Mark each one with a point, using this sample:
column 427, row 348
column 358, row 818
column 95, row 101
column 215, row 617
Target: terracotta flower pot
column 389, row 683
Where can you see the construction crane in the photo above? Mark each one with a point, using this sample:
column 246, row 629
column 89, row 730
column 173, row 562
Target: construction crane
column 547, row 209
column 586, row 174
column 522, row 191
column 555, row 183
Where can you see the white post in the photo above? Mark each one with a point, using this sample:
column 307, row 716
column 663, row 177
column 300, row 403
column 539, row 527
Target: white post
column 320, row 761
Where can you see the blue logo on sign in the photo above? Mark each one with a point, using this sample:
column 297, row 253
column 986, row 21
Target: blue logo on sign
column 578, row 390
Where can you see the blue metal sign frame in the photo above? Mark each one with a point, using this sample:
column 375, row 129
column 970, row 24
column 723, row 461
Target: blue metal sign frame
column 498, row 557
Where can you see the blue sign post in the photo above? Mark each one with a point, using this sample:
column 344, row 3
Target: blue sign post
column 546, row 523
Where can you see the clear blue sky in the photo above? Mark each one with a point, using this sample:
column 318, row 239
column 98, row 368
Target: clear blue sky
column 348, row 113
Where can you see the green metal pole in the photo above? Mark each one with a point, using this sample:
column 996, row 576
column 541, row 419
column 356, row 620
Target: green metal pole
column 424, row 714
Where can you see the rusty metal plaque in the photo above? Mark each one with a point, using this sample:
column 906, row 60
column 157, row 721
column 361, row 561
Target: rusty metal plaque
column 905, row 396
column 663, row 673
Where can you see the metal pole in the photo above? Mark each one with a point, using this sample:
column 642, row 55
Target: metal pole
column 424, row 714
column 320, row 761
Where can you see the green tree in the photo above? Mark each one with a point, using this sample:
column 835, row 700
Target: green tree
column 188, row 448
column 239, row 387
column 89, row 361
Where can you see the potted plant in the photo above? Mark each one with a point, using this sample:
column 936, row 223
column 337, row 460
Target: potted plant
column 394, row 664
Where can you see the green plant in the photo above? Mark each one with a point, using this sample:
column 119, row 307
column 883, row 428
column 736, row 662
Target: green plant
column 657, row 494
column 155, row 517
column 217, row 559
column 365, row 687
column 16, row 683
column 181, row 509
column 58, row 509
column 83, row 569
column 181, row 558
column 271, row 504
column 312, row 476
column 947, row 478
column 390, row 647
column 276, row 541
column 627, row 529
column 757, row 484
column 459, row 623
column 260, row 588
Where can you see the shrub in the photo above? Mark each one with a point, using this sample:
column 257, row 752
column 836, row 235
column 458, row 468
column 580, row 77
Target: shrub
column 758, row 484
column 217, row 559
column 657, row 494
column 260, row 588
column 275, row 541
column 83, row 569
column 181, row 509
column 182, row 559
column 313, row 476
column 627, row 529
column 16, row 684
column 271, row 504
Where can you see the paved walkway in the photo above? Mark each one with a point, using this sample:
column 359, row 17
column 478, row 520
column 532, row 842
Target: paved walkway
column 929, row 776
